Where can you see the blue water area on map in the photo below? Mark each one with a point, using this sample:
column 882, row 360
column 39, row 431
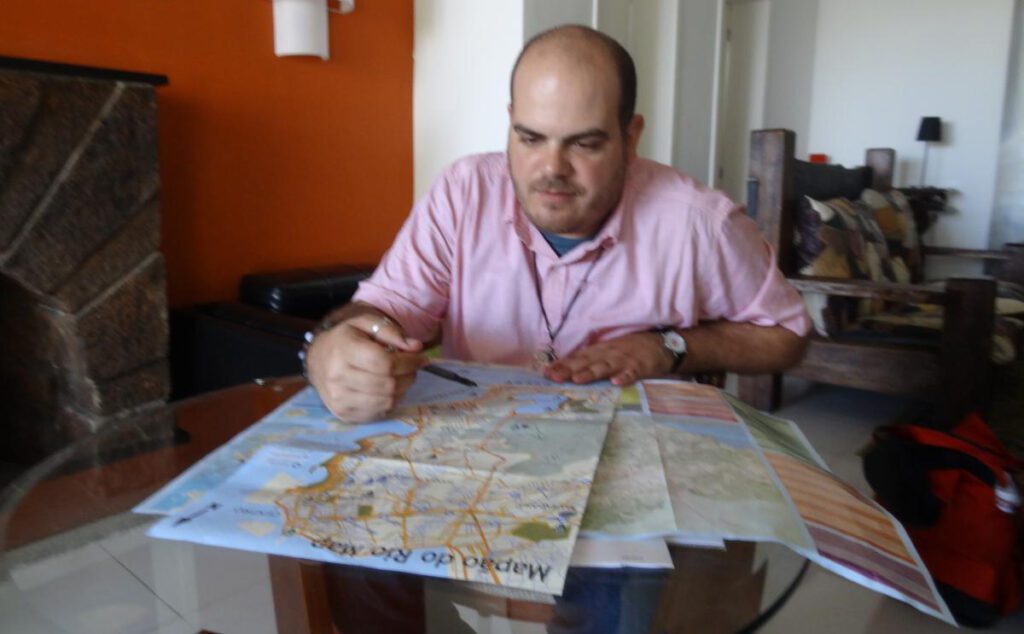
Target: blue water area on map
column 180, row 496
column 306, row 397
column 221, row 519
column 538, row 403
column 304, row 466
column 304, row 421
column 218, row 466
column 346, row 440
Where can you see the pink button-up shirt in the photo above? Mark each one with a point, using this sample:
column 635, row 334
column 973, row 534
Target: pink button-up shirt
column 674, row 253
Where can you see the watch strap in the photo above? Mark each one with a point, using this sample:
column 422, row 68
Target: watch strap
column 677, row 357
column 325, row 324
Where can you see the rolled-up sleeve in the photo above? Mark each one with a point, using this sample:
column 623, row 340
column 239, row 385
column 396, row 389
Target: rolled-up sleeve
column 741, row 282
column 412, row 281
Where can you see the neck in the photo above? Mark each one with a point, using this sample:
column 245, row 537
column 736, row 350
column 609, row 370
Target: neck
column 580, row 233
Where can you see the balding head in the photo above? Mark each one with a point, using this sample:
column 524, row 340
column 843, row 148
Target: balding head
column 572, row 131
column 581, row 49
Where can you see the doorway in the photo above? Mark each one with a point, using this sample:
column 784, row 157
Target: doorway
column 743, row 75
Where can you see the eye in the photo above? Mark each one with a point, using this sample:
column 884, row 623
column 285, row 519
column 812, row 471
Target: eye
column 589, row 144
column 528, row 139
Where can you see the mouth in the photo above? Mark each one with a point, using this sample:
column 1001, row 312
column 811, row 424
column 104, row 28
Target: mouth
column 555, row 195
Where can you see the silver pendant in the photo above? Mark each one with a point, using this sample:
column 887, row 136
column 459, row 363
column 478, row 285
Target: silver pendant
column 544, row 357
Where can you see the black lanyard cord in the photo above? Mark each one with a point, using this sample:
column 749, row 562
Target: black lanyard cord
column 553, row 333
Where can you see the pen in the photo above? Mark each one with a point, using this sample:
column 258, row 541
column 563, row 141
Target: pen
column 448, row 374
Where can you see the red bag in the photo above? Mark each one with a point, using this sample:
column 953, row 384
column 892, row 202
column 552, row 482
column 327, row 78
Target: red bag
column 954, row 493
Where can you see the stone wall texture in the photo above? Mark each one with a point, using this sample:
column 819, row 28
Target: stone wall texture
column 83, row 302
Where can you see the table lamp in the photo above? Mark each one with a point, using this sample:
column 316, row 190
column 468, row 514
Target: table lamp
column 930, row 131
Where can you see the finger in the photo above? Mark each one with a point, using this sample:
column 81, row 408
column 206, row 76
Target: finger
column 363, row 407
column 557, row 372
column 346, row 413
column 625, row 378
column 564, row 369
column 386, row 331
column 356, row 407
column 357, row 416
column 369, row 355
column 367, row 406
column 404, row 383
column 387, row 363
column 363, row 382
column 594, row 371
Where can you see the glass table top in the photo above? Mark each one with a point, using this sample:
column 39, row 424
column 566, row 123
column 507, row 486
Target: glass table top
column 74, row 558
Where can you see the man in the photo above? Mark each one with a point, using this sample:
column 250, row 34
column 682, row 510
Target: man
column 568, row 251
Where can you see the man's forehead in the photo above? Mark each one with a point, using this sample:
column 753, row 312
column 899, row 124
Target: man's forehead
column 543, row 62
column 563, row 108
column 563, row 117
column 554, row 79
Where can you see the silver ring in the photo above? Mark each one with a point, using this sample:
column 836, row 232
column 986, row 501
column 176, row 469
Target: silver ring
column 377, row 325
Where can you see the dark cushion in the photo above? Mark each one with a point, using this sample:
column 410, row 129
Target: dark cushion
column 821, row 240
column 217, row 345
column 307, row 293
column 839, row 238
column 895, row 219
column 822, row 182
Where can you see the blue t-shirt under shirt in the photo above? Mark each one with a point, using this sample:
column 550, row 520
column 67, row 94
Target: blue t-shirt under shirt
column 561, row 244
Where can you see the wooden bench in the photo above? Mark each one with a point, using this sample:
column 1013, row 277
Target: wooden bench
column 955, row 376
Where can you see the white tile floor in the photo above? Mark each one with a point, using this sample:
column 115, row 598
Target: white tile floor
column 197, row 587
column 228, row 591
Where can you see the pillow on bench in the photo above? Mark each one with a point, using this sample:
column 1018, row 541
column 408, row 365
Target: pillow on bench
column 895, row 218
column 840, row 238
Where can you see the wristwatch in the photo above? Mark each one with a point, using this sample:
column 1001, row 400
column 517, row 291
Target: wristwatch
column 328, row 322
column 675, row 344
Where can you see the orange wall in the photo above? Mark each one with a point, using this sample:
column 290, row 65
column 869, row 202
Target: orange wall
column 267, row 162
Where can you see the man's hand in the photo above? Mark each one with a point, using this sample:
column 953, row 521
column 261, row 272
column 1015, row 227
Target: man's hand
column 718, row 346
column 363, row 365
column 624, row 360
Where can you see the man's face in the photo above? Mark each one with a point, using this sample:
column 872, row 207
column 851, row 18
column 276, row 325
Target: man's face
column 567, row 154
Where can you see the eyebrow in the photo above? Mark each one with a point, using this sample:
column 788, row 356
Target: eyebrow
column 596, row 133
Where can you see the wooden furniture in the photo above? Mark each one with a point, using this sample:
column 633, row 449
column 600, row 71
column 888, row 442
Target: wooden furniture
column 955, row 376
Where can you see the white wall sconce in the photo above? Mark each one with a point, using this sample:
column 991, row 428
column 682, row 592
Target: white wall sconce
column 300, row 26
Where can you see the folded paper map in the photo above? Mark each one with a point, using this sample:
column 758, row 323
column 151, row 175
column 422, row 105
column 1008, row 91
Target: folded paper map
column 483, row 483
column 495, row 483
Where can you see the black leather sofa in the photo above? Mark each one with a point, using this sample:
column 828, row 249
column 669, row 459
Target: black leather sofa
column 258, row 335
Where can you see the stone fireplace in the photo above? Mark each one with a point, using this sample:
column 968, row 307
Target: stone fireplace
column 83, row 308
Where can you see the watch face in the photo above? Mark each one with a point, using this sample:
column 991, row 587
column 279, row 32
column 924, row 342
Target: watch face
column 674, row 341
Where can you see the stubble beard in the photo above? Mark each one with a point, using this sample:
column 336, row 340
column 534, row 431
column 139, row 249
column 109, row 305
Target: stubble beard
column 569, row 221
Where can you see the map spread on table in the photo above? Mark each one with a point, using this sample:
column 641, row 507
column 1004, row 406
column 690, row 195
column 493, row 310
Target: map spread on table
column 482, row 484
column 495, row 483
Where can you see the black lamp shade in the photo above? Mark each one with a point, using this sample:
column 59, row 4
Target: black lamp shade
column 930, row 130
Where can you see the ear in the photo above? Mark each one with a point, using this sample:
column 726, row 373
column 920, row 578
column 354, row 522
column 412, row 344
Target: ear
column 633, row 131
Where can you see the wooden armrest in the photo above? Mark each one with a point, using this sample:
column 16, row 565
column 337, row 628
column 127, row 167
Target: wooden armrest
column 979, row 254
column 868, row 289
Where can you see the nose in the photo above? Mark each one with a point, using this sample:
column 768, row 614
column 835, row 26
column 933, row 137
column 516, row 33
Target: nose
column 556, row 161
